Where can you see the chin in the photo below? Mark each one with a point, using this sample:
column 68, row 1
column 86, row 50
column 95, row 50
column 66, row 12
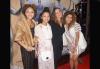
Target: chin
column 29, row 18
column 46, row 21
column 68, row 22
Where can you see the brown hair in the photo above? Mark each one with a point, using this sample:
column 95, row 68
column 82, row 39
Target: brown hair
column 27, row 6
column 73, row 18
column 53, row 17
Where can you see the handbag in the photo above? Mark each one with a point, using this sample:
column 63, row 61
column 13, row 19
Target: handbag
column 46, row 55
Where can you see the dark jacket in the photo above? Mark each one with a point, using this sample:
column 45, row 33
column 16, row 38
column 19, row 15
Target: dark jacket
column 57, row 40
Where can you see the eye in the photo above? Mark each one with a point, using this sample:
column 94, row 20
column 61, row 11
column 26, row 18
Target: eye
column 32, row 11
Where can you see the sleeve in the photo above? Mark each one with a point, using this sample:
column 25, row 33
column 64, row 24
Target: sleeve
column 77, row 27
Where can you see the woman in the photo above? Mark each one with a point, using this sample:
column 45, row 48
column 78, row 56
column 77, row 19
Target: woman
column 73, row 35
column 57, row 31
column 24, row 36
column 45, row 49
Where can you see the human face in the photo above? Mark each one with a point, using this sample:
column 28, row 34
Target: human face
column 58, row 13
column 29, row 13
column 45, row 17
column 68, row 19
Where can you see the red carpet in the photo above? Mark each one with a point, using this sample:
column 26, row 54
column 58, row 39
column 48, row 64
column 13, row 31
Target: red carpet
column 84, row 65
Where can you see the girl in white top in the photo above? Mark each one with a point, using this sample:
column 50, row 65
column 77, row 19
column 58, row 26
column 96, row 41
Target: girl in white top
column 75, row 39
column 45, row 48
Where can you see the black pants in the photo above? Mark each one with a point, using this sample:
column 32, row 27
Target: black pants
column 28, row 58
column 56, row 62
column 57, row 54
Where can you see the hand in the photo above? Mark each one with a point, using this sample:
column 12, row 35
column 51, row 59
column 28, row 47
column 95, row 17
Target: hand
column 73, row 49
column 35, row 40
column 36, row 53
column 29, row 48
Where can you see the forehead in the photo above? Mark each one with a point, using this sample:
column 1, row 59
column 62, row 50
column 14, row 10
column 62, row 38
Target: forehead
column 57, row 10
column 69, row 15
column 29, row 9
column 45, row 13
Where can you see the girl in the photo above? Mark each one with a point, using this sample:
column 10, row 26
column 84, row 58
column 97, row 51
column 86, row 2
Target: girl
column 24, row 37
column 45, row 48
column 57, row 31
column 73, row 35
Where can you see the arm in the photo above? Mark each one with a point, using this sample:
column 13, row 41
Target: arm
column 77, row 30
column 77, row 38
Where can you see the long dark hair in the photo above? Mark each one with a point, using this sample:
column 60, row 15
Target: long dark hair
column 46, row 9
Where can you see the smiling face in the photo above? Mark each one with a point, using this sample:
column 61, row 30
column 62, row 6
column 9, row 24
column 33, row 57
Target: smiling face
column 29, row 13
column 58, row 13
column 45, row 17
column 68, row 18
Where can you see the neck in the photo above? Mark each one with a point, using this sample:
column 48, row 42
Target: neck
column 29, row 20
column 44, row 23
column 66, row 24
column 59, row 19
column 59, row 22
column 30, row 23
